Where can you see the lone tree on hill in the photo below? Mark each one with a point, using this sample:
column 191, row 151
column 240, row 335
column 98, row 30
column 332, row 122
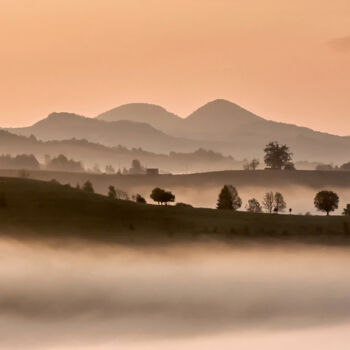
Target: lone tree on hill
column 277, row 156
column 87, row 187
column 229, row 199
column 326, row 201
column 279, row 203
column 346, row 211
column 253, row 206
column 112, row 193
column 161, row 196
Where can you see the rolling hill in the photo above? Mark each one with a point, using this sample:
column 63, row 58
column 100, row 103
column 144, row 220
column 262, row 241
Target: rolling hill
column 119, row 157
column 48, row 210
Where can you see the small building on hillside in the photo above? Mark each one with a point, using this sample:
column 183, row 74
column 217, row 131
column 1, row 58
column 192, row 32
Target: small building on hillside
column 152, row 171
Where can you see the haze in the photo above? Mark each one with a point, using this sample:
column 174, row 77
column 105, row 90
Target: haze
column 84, row 296
column 286, row 61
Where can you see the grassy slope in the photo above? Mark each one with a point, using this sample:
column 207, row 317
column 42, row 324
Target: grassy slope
column 48, row 209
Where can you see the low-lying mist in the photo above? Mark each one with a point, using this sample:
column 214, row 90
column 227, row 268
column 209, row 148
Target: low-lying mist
column 299, row 198
column 55, row 297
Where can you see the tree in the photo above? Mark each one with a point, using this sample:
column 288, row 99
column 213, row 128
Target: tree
column 252, row 165
column 168, row 197
column 140, row 199
column 87, row 187
column 112, row 193
column 345, row 166
column 268, row 202
column 161, row 196
column 279, row 203
column 326, row 201
column 276, row 155
column 229, row 199
column 289, row 166
column 253, row 206
column 346, row 211
column 109, row 169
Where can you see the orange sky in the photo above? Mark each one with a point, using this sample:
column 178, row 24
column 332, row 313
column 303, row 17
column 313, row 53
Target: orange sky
column 284, row 60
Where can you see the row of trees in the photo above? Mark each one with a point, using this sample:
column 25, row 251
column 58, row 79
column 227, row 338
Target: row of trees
column 273, row 202
column 325, row 201
column 230, row 200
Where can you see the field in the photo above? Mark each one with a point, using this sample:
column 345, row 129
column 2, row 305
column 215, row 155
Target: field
column 50, row 210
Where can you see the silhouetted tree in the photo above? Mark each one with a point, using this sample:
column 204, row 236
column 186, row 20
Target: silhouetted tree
column 279, row 203
column 112, row 193
column 276, row 155
column 346, row 210
column 109, row 169
column 345, row 166
column 324, row 167
column 252, row 165
column 87, row 187
column 21, row 161
column 268, row 202
column 140, row 199
column 326, row 201
column 62, row 163
column 289, row 166
column 161, row 196
column 253, row 206
column 229, row 199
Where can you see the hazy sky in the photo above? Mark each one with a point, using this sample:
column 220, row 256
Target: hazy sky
column 285, row 60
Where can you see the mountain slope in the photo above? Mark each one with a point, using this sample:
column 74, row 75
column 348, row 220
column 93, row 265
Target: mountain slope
column 62, row 126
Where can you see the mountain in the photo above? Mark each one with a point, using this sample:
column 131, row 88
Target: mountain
column 233, row 130
column 220, row 125
column 62, row 126
column 154, row 115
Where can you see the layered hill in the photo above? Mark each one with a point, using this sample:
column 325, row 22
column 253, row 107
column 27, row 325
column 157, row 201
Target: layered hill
column 220, row 125
column 119, row 157
column 63, row 126
column 234, row 130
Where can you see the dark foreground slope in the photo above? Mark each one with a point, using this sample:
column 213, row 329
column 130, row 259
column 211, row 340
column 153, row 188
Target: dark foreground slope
column 49, row 210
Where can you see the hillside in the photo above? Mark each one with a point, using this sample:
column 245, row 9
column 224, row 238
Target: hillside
column 234, row 130
column 202, row 189
column 42, row 209
column 63, row 126
column 119, row 157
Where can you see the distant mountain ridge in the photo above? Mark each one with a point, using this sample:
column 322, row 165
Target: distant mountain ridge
column 220, row 125
column 63, row 126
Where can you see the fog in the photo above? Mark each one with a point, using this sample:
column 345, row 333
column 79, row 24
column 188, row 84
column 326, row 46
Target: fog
column 100, row 297
column 299, row 198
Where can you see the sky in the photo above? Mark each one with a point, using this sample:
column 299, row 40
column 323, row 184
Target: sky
column 284, row 60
